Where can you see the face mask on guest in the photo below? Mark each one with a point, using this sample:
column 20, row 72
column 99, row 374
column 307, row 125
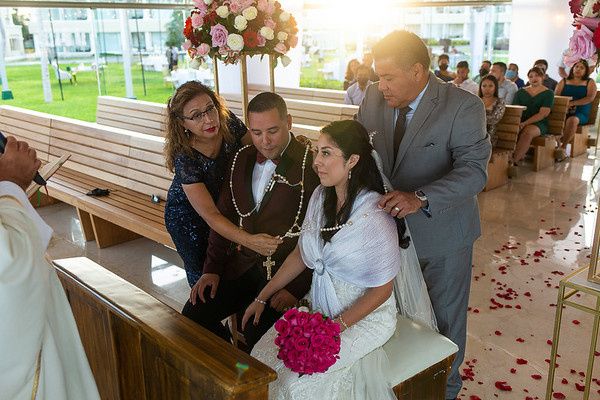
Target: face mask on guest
column 483, row 71
column 443, row 67
column 510, row 74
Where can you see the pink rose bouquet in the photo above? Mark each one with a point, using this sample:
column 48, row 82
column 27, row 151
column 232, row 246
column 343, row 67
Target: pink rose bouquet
column 585, row 42
column 308, row 342
column 233, row 27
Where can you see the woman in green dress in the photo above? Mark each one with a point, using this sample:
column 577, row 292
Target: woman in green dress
column 539, row 100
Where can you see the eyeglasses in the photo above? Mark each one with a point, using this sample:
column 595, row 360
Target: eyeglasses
column 199, row 116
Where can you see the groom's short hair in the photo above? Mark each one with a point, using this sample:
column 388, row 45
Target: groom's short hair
column 266, row 101
column 404, row 47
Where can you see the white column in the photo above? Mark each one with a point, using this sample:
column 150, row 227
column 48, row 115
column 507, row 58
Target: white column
column 126, row 49
column 41, row 49
column 491, row 17
column 94, row 47
column 6, row 93
column 548, row 33
column 477, row 39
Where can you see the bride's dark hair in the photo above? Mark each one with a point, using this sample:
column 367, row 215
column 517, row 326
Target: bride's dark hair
column 352, row 138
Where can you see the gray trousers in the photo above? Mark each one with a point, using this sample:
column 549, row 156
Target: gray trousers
column 448, row 280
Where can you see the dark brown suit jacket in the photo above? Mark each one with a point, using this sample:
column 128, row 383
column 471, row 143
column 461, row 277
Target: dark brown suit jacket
column 275, row 217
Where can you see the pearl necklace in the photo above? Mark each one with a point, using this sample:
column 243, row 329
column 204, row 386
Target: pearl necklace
column 275, row 178
column 310, row 228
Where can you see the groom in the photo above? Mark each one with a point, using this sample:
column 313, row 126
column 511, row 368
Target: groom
column 434, row 147
column 268, row 192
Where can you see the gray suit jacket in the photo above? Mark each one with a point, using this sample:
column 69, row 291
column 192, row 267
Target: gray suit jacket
column 444, row 153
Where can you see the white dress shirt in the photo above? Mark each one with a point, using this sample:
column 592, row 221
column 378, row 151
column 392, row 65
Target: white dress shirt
column 261, row 176
column 507, row 90
column 469, row 85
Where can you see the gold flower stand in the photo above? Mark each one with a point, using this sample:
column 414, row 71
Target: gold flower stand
column 577, row 282
column 244, row 77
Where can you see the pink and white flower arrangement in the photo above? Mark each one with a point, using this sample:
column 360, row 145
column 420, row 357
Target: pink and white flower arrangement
column 308, row 342
column 229, row 28
column 585, row 42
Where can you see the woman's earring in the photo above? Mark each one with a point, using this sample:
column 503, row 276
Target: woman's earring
column 188, row 132
column 349, row 174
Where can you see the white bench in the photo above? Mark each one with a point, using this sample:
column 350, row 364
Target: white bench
column 420, row 361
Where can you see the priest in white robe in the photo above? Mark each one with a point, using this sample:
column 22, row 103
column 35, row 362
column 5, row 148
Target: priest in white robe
column 41, row 355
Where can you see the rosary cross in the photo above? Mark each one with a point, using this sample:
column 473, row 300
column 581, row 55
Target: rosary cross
column 269, row 264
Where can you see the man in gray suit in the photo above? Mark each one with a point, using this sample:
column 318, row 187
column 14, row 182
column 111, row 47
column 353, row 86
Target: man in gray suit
column 434, row 148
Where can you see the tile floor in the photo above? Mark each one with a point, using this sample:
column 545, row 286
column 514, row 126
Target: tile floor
column 536, row 229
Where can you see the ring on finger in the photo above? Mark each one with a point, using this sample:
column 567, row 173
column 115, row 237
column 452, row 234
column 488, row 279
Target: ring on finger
column 396, row 209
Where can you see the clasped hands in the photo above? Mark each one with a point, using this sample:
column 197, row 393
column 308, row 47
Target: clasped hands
column 400, row 204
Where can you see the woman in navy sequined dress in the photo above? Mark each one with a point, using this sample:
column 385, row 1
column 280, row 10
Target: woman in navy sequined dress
column 202, row 137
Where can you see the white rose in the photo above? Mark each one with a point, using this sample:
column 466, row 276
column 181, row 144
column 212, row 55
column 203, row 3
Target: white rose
column 282, row 36
column 240, row 23
column 208, row 2
column 250, row 13
column 222, row 11
column 235, row 42
column 195, row 63
column 267, row 33
column 285, row 60
column 303, row 309
column 284, row 16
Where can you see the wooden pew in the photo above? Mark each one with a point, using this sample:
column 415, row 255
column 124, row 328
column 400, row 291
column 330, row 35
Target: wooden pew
column 579, row 143
column 508, row 133
column 314, row 94
column 122, row 113
column 139, row 348
column 544, row 146
column 129, row 164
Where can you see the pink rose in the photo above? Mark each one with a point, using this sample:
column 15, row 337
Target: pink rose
column 236, row 6
column 203, row 49
column 591, row 23
column 261, row 41
column 270, row 23
column 219, row 35
column 280, row 48
column 581, row 45
column 202, row 7
column 186, row 45
column 282, row 327
column 197, row 20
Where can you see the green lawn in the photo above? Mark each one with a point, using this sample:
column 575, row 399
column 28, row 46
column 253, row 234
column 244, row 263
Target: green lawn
column 80, row 99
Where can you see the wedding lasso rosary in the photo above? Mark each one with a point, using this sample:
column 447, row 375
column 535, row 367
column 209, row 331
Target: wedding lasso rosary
column 275, row 178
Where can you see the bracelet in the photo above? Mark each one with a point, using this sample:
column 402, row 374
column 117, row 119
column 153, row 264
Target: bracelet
column 259, row 301
column 342, row 321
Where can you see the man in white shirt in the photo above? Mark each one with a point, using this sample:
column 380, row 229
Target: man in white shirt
column 42, row 355
column 462, row 79
column 506, row 88
column 356, row 91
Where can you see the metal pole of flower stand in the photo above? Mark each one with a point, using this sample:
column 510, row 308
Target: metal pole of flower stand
column 244, row 81
column 272, row 72
column 216, row 74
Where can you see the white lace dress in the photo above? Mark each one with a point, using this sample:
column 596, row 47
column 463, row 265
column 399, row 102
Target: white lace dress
column 344, row 269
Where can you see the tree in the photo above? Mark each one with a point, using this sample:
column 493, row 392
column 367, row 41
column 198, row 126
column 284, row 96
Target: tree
column 175, row 30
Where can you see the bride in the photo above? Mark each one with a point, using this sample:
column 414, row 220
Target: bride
column 361, row 278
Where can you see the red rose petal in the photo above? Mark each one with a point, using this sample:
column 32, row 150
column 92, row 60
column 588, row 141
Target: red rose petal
column 501, row 385
column 579, row 387
column 576, row 322
column 521, row 361
column 473, row 397
column 536, row 377
column 558, row 395
column 513, row 371
column 498, row 333
column 520, row 340
column 564, row 381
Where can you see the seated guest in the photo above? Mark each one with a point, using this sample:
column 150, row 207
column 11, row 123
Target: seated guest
column 462, row 78
column 350, row 76
column 506, row 88
column 442, row 72
column 484, row 69
column 582, row 91
column 534, row 122
column 270, row 185
column 202, row 136
column 512, row 74
column 494, row 106
column 356, row 91
column 547, row 82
